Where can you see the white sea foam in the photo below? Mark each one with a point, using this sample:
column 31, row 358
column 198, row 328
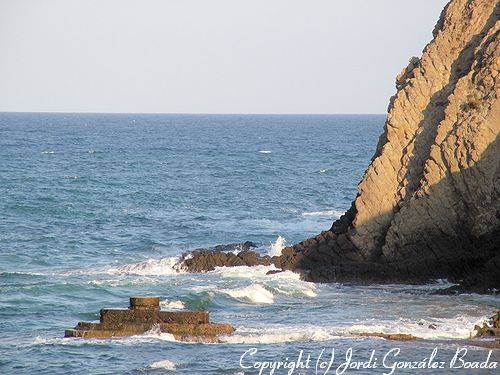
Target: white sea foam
column 286, row 283
column 41, row 341
column 150, row 267
column 278, row 335
column 455, row 328
column 265, row 151
column 156, row 333
column 153, row 335
column 141, row 280
column 459, row 327
column 327, row 213
column 68, row 341
column 297, row 290
column 164, row 365
column 276, row 247
column 111, row 282
column 244, row 272
column 258, row 273
column 172, row 305
column 48, row 152
column 254, row 293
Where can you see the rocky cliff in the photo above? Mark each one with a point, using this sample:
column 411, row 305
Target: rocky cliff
column 428, row 204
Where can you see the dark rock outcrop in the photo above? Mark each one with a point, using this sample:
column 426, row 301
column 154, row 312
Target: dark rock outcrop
column 237, row 254
column 489, row 329
column 428, row 205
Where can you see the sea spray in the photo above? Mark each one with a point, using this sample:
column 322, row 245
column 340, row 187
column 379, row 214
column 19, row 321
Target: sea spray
column 172, row 305
column 277, row 246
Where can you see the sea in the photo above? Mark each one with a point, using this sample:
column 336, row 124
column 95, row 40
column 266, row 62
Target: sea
column 95, row 208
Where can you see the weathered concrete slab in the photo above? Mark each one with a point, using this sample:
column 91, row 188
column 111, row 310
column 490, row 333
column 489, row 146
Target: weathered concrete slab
column 145, row 303
column 142, row 315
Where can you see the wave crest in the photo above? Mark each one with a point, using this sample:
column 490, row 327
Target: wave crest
column 254, row 293
column 164, row 365
column 278, row 335
column 327, row 213
column 172, row 305
column 150, row 267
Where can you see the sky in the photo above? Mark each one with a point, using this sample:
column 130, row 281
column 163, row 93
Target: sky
column 200, row 56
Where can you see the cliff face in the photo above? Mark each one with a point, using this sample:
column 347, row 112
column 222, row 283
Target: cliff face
column 440, row 121
column 428, row 205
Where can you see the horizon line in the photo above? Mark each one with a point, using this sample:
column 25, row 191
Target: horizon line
column 196, row 113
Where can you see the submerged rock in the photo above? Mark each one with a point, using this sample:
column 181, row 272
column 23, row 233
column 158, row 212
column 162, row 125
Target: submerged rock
column 388, row 336
column 490, row 328
column 487, row 335
column 144, row 315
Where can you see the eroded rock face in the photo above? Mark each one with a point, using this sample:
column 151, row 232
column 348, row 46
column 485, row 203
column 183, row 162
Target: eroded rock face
column 428, row 204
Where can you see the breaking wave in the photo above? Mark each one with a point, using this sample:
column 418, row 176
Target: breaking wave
column 172, row 305
column 459, row 327
column 150, row 267
column 276, row 336
column 164, row 365
column 264, row 287
column 254, row 293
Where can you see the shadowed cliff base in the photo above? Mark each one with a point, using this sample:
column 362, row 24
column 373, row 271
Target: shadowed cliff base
column 473, row 262
column 462, row 257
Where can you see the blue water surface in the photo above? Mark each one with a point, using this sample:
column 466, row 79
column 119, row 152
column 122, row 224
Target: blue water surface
column 97, row 207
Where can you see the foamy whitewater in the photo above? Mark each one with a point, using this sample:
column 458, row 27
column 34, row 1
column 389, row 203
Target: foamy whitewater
column 96, row 208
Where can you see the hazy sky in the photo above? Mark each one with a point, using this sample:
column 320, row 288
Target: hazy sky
column 208, row 56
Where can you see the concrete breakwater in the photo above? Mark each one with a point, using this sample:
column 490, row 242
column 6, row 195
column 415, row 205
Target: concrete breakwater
column 144, row 315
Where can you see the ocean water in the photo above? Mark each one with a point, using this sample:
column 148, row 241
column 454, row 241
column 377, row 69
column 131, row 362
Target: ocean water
column 96, row 208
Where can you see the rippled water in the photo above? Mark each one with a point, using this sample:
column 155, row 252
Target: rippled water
column 95, row 208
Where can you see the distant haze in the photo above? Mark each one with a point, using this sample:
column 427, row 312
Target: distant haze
column 200, row 56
